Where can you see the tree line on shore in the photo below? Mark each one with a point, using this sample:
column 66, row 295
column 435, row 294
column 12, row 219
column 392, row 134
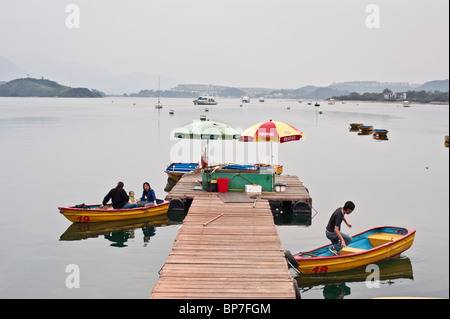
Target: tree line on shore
column 412, row 96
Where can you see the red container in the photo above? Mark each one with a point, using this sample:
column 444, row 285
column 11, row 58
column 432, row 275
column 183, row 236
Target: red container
column 222, row 184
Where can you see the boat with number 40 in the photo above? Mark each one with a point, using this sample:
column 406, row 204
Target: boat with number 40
column 369, row 247
column 98, row 213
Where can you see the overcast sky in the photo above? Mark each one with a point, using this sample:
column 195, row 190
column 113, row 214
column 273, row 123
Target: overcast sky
column 246, row 43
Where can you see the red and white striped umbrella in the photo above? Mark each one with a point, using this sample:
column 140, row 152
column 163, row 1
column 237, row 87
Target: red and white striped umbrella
column 271, row 131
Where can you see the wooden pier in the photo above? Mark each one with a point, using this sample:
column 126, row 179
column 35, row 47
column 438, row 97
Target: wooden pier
column 228, row 245
column 226, row 250
column 295, row 190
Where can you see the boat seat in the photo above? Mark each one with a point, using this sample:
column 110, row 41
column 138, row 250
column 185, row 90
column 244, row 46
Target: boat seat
column 379, row 239
column 350, row 250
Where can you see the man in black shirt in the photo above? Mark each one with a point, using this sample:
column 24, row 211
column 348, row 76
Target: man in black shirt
column 119, row 198
column 333, row 230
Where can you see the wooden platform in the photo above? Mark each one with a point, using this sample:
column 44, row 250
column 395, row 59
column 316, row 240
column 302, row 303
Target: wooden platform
column 295, row 190
column 235, row 255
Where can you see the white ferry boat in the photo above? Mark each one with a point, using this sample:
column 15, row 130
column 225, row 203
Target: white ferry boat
column 205, row 100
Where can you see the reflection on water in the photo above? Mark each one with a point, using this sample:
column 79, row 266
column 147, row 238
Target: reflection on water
column 336, row 291
column 118, row 232
column 290, row 218
column 380, row 137
column 119, row 238
column 335, row 284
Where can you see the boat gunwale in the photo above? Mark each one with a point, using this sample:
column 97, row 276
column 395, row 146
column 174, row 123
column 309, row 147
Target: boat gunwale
column 409, row 233
column 179, row 173
column 73, row 209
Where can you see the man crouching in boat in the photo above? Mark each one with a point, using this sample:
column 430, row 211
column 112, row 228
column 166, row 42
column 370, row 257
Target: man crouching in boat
column 119, row 198
column 333, row 231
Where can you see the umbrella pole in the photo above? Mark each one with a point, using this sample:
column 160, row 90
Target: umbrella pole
column 207, row 163
column 271, row 164
column 271, row 154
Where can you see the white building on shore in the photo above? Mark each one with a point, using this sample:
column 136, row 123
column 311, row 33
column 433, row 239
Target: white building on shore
column 395, row 96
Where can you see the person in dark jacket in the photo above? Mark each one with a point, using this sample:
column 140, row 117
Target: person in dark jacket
column 119, row 198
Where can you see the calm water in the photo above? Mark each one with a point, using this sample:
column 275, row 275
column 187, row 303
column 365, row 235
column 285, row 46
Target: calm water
column 70, row 151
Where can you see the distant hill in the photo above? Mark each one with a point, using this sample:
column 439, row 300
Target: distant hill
column 439, row 85
column 372, row 86
column 309, row 91
column 306, row 92
column 29, row 87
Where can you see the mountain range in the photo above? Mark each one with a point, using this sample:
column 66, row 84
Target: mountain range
column 306, row 92
column 142, row 84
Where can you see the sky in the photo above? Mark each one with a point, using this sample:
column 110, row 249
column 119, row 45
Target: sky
column 240, row 43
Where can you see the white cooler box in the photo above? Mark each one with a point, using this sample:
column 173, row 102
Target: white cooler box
column 255, row 189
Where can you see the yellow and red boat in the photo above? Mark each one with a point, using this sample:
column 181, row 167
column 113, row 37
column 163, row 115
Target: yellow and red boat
column 98, row 213
column 369, row 247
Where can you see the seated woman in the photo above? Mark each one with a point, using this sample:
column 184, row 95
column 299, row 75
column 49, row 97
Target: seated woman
column 148, row 196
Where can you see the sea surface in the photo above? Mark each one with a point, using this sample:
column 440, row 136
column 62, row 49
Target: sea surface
column 61, row 151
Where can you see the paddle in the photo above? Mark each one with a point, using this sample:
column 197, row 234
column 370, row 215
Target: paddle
column 213, row 219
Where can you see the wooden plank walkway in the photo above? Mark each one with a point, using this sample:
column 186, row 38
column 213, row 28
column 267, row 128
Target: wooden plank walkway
column 295, row 190
column 237, row 255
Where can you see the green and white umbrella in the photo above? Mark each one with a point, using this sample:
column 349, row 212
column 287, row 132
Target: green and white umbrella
column 207, row 130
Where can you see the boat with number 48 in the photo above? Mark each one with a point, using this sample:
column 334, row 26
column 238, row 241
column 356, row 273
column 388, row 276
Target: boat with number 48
column 98, row 213
column 369, row 247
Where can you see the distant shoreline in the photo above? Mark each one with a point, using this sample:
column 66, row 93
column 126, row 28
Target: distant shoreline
column 290, row 99
column 392, row 102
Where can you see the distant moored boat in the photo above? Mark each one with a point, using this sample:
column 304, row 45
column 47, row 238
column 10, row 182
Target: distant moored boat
column 205, row 100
